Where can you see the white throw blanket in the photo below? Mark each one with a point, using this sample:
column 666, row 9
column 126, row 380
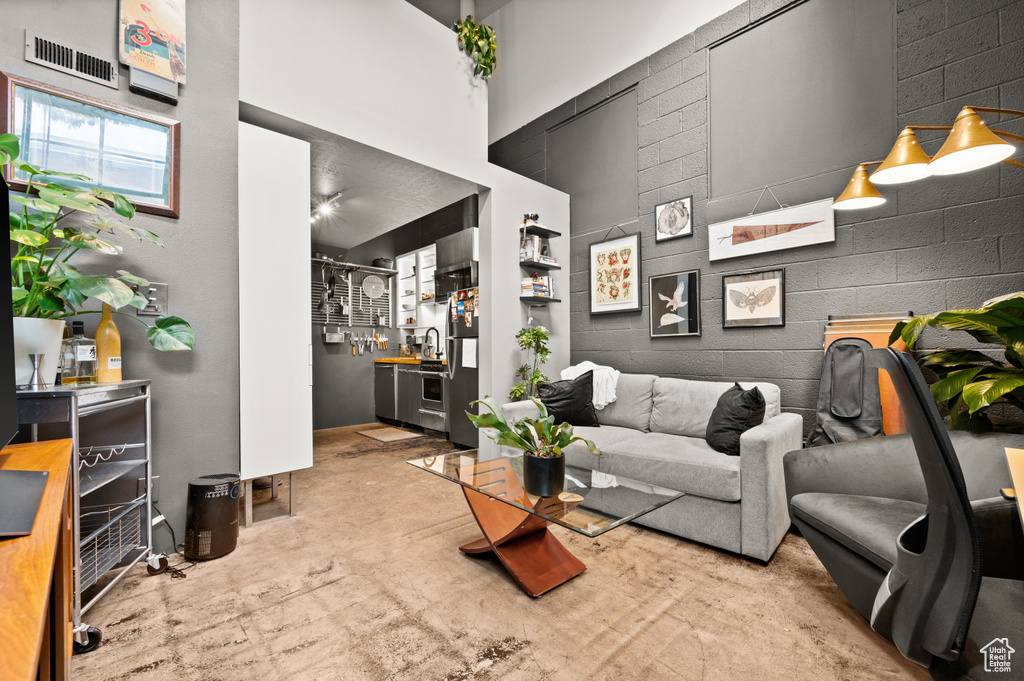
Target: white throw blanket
column 605, row 379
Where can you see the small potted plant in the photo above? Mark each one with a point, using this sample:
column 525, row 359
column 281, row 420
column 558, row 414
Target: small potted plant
column 533, row 339
column 542, row 442
column 45, row 286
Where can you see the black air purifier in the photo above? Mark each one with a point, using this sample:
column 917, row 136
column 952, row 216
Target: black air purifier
column 211, row 519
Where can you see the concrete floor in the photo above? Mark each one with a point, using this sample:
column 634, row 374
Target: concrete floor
column 367, row 583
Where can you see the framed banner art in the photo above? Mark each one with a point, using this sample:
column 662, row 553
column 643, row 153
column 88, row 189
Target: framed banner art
column 754, row 299
column 793, row 227
column 615, row 275
column 675, row 304
column 673, row 219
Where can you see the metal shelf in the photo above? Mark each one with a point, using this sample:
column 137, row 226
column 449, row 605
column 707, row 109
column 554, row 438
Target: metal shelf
column 538, row 300
column 529, row 264
column 539, row 230
column 91, row 479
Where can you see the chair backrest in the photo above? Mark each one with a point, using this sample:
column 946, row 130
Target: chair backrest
column 926, row 602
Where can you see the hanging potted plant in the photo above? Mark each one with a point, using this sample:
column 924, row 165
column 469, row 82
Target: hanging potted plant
column 479, row 43
column 45, row 287
column 542, row 442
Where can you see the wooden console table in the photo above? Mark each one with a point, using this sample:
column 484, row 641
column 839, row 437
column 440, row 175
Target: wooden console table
column 36, row 588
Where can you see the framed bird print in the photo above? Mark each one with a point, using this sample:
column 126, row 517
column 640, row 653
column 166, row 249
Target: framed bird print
column 615, row 275
column 673, row 219
column 675, row 304
column 754, row 299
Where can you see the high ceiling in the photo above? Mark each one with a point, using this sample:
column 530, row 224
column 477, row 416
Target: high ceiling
column 447, row 11
column 381, row 191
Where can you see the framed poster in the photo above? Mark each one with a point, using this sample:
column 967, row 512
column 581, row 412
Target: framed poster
column 675, row 304
column 615, row 275
column 132, row 152
column 151, row 37
column 673, row 219
column 754, row 299
column 793, row 227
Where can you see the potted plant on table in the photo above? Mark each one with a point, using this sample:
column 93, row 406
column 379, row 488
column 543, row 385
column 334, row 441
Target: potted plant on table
column 542, row 442
column 45, row 287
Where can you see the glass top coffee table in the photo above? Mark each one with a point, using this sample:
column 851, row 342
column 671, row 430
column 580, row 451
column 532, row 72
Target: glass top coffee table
column 514, row 523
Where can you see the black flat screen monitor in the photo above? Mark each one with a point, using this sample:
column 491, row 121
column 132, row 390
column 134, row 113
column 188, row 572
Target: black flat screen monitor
column 8, row 389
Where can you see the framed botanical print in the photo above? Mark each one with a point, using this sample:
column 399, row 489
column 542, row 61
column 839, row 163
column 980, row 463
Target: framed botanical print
column 675, row 304
column 615, row 275
column 754, row 299
column 673, row 219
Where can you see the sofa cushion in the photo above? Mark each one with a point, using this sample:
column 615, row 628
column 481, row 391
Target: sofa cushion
column 684, row 407
column 577, row 453
column 571, row 400
column 685, row 464
column 868, row 526
column 632, row 405
column 737, row 411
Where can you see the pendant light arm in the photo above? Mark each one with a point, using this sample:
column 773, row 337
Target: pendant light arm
column 930, row 127
column 1008, row 134
column 1008, row 112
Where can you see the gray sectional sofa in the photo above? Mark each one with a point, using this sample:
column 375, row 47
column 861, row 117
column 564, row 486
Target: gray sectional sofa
column 654, row 433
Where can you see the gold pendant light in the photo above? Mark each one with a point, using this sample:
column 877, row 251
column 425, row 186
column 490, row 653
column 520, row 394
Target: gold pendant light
column 906, row 162
column 860, row 193
column 970, row 146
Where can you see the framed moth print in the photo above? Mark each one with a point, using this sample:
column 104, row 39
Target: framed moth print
column 675, row 304
column 615, row 275
column 754, row 299
column 673, row 219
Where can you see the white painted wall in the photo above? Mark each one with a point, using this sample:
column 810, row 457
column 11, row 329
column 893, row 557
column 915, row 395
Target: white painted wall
column 552, row 50
column 388, row 76
column 275, row 381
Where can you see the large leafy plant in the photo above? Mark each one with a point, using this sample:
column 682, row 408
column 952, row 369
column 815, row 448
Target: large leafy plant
column 44, row 284
column 479, row 42
column 533, row 339
column 971, row 381
column 538, row 437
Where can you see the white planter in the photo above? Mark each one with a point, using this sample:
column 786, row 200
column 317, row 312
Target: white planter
column 37, row 336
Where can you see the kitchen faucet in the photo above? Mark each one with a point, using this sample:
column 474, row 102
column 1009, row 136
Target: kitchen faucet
column 427, row 345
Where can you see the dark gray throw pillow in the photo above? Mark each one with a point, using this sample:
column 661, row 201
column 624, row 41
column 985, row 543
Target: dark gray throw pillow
column 737, row 411
column 571, row 401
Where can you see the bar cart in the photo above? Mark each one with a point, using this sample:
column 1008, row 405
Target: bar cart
column 110, row 426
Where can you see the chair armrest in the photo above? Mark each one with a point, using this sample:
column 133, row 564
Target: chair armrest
column 516, row 411
column 764, row 508
column 884, row 466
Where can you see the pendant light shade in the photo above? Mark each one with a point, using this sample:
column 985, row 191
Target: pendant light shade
column 970, row 146
column 905, row 163
column 860, row 193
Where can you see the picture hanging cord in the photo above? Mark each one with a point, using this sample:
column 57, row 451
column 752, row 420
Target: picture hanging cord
column 769, row 190
column 619, row 227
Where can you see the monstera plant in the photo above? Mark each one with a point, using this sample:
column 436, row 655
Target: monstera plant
column 972, row 381
column 44, row 282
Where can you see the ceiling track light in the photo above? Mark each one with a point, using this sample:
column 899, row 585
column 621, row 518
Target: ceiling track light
column 970, row 145
column 325, row 208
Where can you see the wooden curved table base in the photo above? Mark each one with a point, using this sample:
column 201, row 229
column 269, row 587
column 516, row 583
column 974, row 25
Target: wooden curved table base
column 521, row 540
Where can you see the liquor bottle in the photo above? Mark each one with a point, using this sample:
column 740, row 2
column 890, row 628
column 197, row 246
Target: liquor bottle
column 108, row 349
column 79, row 355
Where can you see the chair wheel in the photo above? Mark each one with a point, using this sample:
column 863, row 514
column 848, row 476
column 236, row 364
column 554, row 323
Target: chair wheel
column 93, row 637
column 158, row 570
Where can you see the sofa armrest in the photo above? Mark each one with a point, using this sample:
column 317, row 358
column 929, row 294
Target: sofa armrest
column 516, row 411
column 764, row 508
column 884, row 466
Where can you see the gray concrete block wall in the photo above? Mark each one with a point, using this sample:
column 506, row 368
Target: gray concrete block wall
column 936, row 244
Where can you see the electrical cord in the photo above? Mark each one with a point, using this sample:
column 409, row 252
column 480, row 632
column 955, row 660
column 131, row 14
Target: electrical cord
column 176, row 571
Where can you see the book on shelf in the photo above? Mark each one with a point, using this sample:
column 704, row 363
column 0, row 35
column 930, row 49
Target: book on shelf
column 534, row 287
column 533, row 248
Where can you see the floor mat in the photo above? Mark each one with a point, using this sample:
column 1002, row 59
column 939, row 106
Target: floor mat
column 389, row 434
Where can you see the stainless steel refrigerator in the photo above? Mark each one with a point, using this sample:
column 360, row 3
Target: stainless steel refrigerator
column 462, row 315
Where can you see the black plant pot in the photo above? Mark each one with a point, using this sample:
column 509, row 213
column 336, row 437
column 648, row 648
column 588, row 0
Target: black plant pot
column 542, row 476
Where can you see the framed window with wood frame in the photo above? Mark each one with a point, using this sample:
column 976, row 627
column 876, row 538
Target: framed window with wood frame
column 129, row 151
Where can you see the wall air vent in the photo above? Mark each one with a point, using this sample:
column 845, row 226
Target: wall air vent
column 54, row 55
